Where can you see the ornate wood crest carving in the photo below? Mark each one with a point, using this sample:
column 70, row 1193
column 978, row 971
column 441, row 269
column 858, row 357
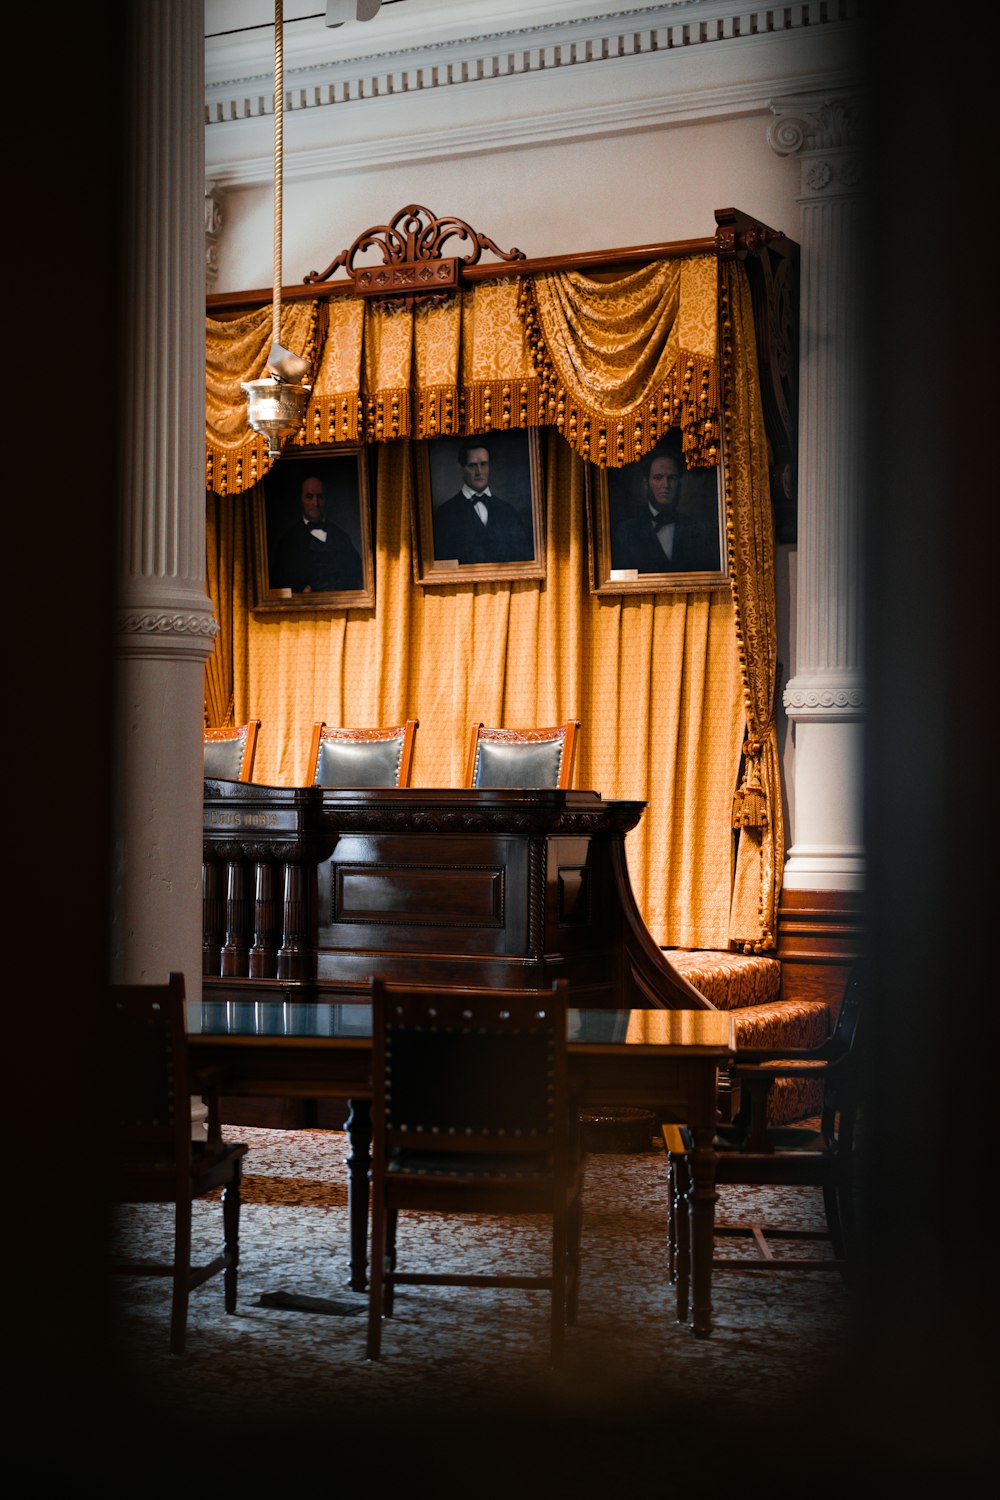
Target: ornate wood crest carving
column 413, row 268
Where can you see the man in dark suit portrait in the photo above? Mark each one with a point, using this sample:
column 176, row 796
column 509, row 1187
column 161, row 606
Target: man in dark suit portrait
column 476, row 526
column 315, row 555
column 659, row 537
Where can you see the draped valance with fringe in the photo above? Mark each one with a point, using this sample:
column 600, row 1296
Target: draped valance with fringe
column 611, row 364
column 676, row 691
column 237, row 350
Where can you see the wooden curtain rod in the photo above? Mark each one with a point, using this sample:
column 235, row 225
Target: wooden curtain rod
column 589, row 260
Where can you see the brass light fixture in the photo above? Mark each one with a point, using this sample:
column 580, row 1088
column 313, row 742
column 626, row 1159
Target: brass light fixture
column 276, row 404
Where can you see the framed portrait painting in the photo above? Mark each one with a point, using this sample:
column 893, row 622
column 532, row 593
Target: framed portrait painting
column 312, row 532
column 656, row 525
column 479, row 512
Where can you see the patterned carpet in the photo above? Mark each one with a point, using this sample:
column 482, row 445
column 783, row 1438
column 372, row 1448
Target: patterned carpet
column 476, row 1357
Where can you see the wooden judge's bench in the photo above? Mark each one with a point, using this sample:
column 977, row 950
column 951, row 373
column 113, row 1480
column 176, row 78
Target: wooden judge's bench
column 310, row 892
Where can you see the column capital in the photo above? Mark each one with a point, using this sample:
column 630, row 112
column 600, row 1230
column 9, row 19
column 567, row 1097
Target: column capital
column 214, row 220
column 827, row 132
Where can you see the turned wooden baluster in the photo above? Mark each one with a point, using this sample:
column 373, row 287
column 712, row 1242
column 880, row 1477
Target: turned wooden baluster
column 235, row 950
column 297, row 954
column 263, row 952
column 211, row 917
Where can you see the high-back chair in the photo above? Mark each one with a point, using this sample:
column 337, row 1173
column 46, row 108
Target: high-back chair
column 361, row 757
column 470, row 1115
column 751, row 1152
column 229, row 753
column 522, row 758
column 152, row 1157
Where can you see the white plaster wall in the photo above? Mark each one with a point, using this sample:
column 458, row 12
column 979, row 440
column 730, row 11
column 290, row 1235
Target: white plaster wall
column 643, row 188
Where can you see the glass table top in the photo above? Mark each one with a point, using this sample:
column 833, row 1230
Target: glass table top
column 338, row 1021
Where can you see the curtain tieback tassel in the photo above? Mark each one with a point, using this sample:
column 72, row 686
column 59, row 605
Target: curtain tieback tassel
column 750, row 801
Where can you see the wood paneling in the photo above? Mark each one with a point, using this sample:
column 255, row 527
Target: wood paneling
column 820, row 934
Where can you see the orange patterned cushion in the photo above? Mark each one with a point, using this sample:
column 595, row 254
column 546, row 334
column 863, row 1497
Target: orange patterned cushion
column 730, row 980
column 790, row 1023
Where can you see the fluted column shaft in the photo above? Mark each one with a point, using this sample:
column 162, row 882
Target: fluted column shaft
column 824, row 698
column 165, row 627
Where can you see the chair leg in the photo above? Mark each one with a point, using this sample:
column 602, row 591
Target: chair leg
column 389, row 1286
column 560, row 1246
column 181, row 1278
column 575, row 1234
column 376, row 1276
column 231, row 1230
column 838, row 1200
column 682, row 1229
column 671, row 1225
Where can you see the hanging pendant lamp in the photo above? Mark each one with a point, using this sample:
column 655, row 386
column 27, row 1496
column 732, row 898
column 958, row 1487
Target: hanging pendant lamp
column 276, row 404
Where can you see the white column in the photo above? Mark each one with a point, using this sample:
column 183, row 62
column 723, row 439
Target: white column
column 164, row 626
column 825, row 696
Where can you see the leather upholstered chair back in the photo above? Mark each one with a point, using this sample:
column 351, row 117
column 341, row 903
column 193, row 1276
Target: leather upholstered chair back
column 522, row 758
column 361, row 757
column 229, row 753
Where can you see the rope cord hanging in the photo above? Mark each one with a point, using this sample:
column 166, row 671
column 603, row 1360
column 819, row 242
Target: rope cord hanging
column 276, row 404
column 279, row 139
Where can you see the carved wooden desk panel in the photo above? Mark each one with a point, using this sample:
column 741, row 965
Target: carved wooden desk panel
column 429, row 885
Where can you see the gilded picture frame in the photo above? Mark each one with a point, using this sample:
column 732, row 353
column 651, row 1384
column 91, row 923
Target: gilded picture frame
column 451, row 543
column 313, row 534
column 624, row 505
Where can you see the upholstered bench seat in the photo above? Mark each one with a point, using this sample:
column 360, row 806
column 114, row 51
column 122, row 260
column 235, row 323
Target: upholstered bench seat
column 749, row 985
column 731, row 981
column 788, row 1023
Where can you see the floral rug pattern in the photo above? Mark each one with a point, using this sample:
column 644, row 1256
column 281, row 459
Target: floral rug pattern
column 774, row 1333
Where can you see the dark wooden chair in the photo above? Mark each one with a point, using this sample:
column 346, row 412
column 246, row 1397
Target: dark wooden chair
column 153, row 1158
column 229, row 753
column 522, row 758
column 751, row 1152
column 361, row 757
column 452, row 1136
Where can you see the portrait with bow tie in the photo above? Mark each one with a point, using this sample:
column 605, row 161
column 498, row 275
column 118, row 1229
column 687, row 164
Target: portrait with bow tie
column 480, row 512
column 656, row 524
column 313, row 532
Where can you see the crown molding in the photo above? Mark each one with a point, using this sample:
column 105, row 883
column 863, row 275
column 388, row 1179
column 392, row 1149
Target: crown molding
column 465, row 139
column 319, row 77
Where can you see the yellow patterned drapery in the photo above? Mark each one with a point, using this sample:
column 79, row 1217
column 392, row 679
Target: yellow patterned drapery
column 227, row 579
column 757, row 808
column 654, row 681
column 670, row 688
column 237, row 350
column 623, row 361
column 335, row 413
column 611, row 364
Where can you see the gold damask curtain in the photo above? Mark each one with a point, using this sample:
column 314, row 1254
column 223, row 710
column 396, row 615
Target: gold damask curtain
column 611, row 365
column 236, row 349
column 757, row 807
column 675, row 691
column 654, row 680
column 623, row 361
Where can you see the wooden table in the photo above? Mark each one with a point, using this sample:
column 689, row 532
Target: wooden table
column 323, row 1050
